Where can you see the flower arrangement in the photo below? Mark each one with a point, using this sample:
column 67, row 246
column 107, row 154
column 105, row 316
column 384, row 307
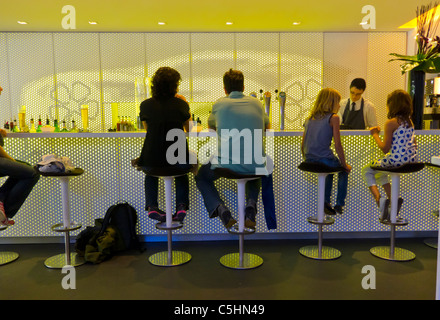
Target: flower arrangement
column 427, row 58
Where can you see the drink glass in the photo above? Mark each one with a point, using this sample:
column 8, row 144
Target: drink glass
column 85, row 117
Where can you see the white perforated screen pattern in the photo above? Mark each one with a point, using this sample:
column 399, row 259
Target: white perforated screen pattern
column 109, row 178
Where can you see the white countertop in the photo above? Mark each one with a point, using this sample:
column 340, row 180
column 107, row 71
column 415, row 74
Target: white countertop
column 141, row 134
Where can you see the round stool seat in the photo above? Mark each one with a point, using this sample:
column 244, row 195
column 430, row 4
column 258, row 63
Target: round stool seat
column 239, row 260
column 319, row 252
column 67, row 258
column 229, row 174
column 406, row 168
column 171, row 171
column 391, row 252
column 73, row 173
column 315, row 167
column 7, row 256
column 169, row 258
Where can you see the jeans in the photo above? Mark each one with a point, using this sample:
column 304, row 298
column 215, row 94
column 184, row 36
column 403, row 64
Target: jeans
column 181, row 184
column 342, row 181
column 22, row 177
column 205, row 183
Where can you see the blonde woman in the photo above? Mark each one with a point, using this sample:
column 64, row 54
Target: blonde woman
column 319, row 130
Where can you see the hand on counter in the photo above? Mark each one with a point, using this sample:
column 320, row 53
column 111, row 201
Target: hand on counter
column 374, row 130
column 347, row 167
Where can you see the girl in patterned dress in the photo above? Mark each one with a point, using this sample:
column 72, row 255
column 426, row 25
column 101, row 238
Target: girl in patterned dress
column 399, row 146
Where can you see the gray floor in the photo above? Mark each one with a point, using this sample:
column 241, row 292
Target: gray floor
column 284, row 275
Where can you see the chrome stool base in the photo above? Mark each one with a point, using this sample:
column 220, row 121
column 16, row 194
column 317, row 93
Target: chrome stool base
column 250, row 261
column 59, row 261
column 431, row 242
column 326, row 253
column 384, row 252
column 162, row 259
column 8, row 257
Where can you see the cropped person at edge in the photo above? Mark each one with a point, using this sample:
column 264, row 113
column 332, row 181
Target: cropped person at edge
column 22, row 178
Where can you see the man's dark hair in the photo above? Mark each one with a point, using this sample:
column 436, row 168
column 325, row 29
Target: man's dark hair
column 233, row 80
column 165, row 83
column 358, row 83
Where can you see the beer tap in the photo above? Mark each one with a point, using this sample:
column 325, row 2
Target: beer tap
column 267, row 96
column 282, row 99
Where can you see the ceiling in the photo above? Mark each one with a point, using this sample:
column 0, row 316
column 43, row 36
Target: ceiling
column 205, row 15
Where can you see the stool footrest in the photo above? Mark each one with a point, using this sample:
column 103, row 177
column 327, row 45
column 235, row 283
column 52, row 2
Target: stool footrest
column 314, row 220
column 174, row 225
column 59, row 227
column 235, row 230
column 399, row 222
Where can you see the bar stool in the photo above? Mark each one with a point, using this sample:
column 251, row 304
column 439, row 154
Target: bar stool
column 240, row 260
column 7, row 257
column 391, row 252
column 320, row 252
column 66, row 258
column 432, row 242
column 168, row 258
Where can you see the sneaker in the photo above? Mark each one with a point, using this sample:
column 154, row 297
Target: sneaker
column 338, row 209
column 4, row 220
column 156, row 214
column 328, row 209
column 225, row 216
column 180, row 213
column 250, row 213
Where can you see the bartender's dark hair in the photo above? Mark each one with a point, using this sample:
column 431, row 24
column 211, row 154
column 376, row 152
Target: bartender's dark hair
column 233, row 80
column 399, row 104
column 165, row 83
column 359, row 83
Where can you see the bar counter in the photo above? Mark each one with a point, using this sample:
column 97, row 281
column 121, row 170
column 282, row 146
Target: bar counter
column 109, row 179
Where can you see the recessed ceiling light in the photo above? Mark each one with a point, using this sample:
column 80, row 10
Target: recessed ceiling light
column 229, row 23
column 93, row 22
column 161, row 23
column 21, row 22
column 296, row 23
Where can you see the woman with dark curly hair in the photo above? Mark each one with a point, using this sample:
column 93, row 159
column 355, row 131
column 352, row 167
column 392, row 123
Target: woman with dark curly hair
column 163, row 112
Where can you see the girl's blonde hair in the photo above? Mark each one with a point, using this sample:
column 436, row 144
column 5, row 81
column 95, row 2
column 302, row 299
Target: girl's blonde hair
column 325, row 102
column 399, row 104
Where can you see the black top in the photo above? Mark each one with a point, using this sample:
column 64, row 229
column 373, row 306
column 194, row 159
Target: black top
column 161, row 116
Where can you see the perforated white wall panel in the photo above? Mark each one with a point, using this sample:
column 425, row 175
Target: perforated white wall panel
column 109, row 178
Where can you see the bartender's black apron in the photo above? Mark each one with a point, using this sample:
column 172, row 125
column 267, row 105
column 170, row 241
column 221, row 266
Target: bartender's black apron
column 353, row 119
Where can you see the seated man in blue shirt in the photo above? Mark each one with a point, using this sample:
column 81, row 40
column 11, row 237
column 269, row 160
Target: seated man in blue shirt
column 240, row 123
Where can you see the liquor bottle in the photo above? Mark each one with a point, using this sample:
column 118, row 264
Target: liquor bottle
column 74, row 128
column 56, row 127
column 16, row 127
column 32, row 129
column 39, row 124
column 64, row 129
column 7, row 125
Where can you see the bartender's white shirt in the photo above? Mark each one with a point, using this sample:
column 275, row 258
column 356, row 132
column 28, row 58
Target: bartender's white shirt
column 370, row 118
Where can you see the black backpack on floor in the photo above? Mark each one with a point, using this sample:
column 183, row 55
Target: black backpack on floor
column 123, row 218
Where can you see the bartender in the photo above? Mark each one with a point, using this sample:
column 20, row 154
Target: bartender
column 357, row 113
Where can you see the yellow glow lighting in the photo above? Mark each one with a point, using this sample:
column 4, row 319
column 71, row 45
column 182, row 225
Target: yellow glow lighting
column 413, row 23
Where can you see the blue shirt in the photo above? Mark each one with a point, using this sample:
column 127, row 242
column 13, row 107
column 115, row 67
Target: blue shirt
column 240, row 122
